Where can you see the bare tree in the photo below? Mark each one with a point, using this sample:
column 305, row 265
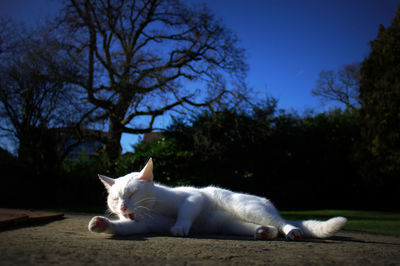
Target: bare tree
column 138, row 60
column 35, row 107
column 341, row 86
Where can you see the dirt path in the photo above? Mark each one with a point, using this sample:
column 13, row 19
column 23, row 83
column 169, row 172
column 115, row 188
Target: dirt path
column 68, row 242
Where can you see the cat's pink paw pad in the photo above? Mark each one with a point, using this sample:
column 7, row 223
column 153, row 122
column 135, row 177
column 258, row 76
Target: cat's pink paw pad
column 266, row 233
column 294, row 234
column 99, row 224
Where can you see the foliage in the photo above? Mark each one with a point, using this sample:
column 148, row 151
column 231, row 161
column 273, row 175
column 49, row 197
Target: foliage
column 380, row 95
column 298, row 162
column 283, row 157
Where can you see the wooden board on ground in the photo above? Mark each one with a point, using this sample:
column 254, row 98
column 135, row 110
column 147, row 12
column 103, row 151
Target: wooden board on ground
column 15, row 216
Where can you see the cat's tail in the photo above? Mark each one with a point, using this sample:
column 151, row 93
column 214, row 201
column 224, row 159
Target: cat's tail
column 320, row 229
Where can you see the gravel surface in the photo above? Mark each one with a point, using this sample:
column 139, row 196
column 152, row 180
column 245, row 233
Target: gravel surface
column 68, row 242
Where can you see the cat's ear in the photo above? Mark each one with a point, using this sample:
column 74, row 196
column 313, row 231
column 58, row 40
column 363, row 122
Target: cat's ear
column 107, row 181
column 147, row 172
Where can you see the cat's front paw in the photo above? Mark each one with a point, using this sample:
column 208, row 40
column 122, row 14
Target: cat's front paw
column 180, row 230
column 100, row 224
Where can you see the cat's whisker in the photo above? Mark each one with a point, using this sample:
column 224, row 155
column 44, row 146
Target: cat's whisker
column 148, row 214
column 108, row 214
column 143, row 214
column 152, row 200
column 143, row 207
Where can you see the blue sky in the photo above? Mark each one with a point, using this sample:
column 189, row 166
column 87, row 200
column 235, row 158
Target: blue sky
column 288, row 42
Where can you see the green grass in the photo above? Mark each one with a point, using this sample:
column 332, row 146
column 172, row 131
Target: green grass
column 368, row 221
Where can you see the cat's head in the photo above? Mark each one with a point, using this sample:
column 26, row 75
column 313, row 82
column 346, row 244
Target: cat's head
column 131, row 196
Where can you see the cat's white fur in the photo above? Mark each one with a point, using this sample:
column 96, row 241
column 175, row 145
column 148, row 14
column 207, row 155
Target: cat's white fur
column 146, row 207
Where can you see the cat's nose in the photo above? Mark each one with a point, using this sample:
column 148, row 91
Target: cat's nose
column 123, row 208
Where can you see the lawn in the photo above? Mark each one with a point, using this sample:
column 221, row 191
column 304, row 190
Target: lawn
column 368, row 221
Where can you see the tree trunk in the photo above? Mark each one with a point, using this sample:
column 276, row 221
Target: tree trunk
column 113, row 146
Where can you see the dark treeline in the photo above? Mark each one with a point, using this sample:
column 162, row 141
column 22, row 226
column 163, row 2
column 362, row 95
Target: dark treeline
column 60, row 87
column 313, row 161
column 297, row 162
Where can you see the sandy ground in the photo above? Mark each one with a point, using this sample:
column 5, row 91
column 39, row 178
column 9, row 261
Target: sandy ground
column 68, row 242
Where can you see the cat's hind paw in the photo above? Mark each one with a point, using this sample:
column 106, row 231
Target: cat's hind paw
column 266, row 233
column 294, row 234
column 100, row 224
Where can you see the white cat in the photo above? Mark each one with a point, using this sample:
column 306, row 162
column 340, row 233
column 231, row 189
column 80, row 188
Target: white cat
column 146, row 207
